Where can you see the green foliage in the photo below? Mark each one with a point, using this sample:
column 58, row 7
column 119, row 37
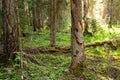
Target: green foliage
column 43, row 39
column 100, row 35
column 37, row 39
column 94, row 25
column 17, row 60
column 9, row 74
column 51, row 67
column 55, row 66
column 90, row 76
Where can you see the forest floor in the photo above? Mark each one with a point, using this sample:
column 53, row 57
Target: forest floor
column 99, row 66
column 102, row 63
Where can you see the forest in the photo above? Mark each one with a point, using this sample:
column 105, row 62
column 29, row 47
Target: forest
column 59, row 40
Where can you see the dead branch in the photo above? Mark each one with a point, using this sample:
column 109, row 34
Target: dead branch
column 65, row 49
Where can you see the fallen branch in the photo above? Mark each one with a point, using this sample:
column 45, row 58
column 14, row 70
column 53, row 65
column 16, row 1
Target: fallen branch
column 32, row 58
column 108, row 42
column 65, row 49
column 94, row 44
column 47, row 49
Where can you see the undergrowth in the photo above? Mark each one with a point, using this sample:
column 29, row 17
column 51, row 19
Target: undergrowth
column 64, row 38
column 101, row 64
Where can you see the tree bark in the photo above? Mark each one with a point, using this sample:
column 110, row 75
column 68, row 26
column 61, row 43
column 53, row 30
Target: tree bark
column 78, row 55
column 85, row 18
column 38, row 14
column 110, row 13
column 52, row 23
column 11, row 29
column 34, row 17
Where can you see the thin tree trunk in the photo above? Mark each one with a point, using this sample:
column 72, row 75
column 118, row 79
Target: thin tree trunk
column 85, row 18
column 34, row 17
column 30, row 16
column 110, row 12
column 52, row 23
column 38, row 14
column 78, row 56
column 11, row 29
column 104, row 11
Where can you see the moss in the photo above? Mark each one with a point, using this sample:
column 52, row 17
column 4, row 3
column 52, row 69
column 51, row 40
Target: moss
column 79, row 70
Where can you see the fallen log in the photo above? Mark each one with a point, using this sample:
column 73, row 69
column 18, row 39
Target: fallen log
column 66, row 49
column 47, row 49
column 94, row 44
column 111, row 42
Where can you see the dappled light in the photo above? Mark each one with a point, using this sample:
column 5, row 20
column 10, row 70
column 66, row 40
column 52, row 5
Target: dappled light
column 59, row 40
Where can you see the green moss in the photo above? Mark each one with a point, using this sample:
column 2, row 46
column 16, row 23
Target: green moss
column 79, row 70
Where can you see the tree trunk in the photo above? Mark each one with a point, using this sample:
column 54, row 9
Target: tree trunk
column 110, row 12
column 104, row 11
column 38, row 14
column 78, row 56
column 86, row 26
column 52, row 23
column 11, row 29
column 34, row 17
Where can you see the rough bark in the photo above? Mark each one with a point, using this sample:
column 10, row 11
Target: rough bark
column 78, row 56
column 11, row 29
column 52, row 22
